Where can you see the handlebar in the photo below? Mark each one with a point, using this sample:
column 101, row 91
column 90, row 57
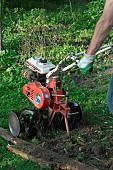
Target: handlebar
column 75, row 58
column 58, row 68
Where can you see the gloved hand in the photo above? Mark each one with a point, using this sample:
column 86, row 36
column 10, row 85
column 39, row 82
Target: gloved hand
column 86, row 63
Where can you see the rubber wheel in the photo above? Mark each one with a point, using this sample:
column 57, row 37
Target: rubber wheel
column 14, row 124
column 75, row 115
column 58, row 121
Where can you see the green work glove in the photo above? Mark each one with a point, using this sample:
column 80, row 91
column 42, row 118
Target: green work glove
column 86, row 63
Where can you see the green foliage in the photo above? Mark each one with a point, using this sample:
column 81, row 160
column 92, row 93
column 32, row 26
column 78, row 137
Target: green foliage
column 40, row 31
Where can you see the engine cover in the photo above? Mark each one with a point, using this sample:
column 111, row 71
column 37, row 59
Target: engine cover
column 37, row 94
column 39, row 65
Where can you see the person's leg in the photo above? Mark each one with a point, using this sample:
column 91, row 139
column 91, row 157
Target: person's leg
column 109, row 97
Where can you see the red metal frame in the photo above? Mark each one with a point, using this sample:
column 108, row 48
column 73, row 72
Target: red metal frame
column 57, row 103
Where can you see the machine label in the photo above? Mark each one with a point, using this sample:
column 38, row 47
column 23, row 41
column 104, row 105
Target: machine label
column 38, row 98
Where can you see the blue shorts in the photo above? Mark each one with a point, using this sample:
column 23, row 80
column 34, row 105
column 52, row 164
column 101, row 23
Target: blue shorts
column 109, row 97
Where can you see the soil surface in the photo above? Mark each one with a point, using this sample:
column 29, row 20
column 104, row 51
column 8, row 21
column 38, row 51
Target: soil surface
column 92, row 145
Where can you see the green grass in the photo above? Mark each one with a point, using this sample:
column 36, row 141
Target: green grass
column 11, row 161
column 50, row 30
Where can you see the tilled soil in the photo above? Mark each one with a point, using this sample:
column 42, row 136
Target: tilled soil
column 90, row 145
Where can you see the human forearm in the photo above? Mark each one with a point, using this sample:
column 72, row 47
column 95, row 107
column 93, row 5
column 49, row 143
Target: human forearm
column 102, row 30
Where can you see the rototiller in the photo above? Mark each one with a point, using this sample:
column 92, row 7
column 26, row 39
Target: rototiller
column 46, row 92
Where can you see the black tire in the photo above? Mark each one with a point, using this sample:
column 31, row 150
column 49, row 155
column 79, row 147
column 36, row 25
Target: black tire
column 75, row 115
column 58, row 121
